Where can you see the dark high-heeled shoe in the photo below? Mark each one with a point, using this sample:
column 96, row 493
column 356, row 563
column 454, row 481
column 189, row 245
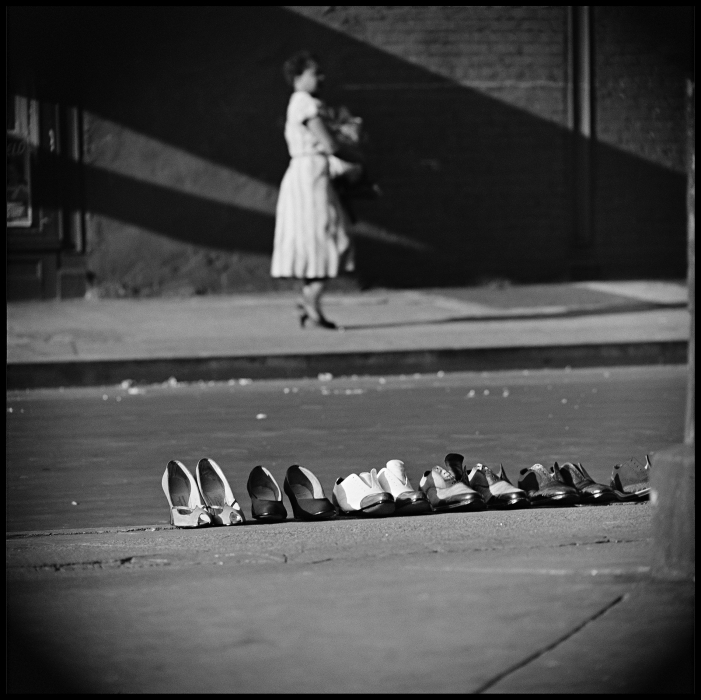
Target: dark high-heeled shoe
column 307, row 495
column 322, row 322
column 266, row 497
column 303, row 315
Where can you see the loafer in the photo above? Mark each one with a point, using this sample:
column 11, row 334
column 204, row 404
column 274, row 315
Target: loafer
column 496, row 491
column 187, row 509
column 631, row 480
column 266, row 497
column 591, row 492
column 447, row 493
column 361, row 494
column 307, row 495
column 545, row 487
column 217, row 494
column 408, row 501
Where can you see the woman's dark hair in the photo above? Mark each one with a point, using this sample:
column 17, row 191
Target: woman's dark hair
column 297, row 64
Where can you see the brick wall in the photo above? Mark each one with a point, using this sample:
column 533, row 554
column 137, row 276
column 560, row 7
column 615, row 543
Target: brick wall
column 466, row 108
column 642, row 60
column 467, row 113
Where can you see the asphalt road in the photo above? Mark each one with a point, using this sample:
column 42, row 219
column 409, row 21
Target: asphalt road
column 109, row 598
column 105, row 449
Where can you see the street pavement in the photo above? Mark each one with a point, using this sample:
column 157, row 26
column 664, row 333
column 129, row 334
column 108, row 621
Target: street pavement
column 104, row 596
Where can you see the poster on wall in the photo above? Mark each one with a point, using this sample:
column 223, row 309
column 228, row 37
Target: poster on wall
column 19, row 201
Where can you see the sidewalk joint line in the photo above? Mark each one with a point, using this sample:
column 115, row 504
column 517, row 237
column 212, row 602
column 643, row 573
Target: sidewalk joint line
column 549, row 647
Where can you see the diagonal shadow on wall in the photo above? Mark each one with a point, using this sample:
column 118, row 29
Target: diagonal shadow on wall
column 485, row 187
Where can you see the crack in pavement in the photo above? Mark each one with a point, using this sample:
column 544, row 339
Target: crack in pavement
column 146, row 562
column 131, row 562
column 536, row 655
column 87, row 531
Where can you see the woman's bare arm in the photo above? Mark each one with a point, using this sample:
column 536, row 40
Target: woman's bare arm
column 318, row 128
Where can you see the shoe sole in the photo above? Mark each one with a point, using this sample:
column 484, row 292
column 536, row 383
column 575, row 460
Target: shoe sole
column 472, row 505
column 415, row 508
column 303, row 515
column 512, row 504
column 639, row 496
column 379, row 510
column 556, row 501
column 376, row 510
column 600, row 499
column 269, row 518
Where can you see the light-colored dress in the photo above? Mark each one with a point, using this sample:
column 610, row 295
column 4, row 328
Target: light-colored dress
column 311, row 227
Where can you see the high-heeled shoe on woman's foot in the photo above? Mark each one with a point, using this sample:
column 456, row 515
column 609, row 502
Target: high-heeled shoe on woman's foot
column 217, row 494
column 321, row 322
column 187, row 508
column 303, row 315
column 266, row 497
column 307, row 495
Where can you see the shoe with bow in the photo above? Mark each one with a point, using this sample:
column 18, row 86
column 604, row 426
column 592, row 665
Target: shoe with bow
column 187, row 509
column 217, row 494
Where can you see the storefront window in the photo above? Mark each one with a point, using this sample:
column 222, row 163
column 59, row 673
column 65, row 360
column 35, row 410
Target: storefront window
column 21, row 128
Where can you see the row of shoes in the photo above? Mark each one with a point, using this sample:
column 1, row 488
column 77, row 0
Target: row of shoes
column 207, row 498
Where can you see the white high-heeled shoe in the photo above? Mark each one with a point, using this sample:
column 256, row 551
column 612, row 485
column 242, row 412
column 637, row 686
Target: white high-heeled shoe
column 217, row 494
column 186, row 506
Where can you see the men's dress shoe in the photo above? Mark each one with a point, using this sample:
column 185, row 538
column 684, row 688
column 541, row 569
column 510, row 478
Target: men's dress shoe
column 631, row 480
column 454, row 463
column 408, row 501
column 591, row 492
column 496, row 491
column 306, row 495
column 446, row 493
column 217, row 494
column 361, row 494
column 266, row 497
column 187, row 509
column 545, row 487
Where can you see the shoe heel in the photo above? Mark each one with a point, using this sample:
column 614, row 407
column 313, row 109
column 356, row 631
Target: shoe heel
column 303, row 315
column 296, row 510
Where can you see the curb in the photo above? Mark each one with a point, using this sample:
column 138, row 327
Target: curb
column 188, row 369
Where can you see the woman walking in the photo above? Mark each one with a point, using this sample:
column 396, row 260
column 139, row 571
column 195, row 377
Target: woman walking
column 311, row 226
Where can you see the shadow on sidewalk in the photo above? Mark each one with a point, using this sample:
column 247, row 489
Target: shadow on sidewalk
column 527, row 316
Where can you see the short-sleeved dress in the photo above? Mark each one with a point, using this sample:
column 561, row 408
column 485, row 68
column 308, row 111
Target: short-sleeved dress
column 311, row 227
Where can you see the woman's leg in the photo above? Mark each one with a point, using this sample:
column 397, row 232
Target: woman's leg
column 311, row 294
column 311, row 304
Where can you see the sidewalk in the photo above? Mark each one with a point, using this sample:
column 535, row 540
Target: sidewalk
column 546, row 601
column 89, row 342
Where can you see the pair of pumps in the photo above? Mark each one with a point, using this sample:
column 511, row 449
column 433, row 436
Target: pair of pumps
column 207, row 499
